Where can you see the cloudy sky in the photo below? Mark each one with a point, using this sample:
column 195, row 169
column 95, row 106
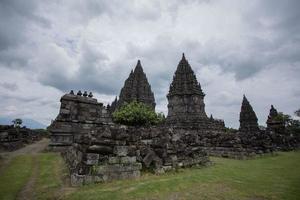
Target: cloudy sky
column 235, row 47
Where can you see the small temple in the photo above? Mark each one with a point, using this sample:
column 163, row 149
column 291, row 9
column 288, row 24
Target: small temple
column 185, row 97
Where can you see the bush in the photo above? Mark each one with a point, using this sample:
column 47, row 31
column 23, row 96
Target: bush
column 137, row 114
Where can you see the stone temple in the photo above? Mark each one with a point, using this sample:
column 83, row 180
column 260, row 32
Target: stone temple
column 136, row 88
column 98, row 150
column 186, row 98
column 248, row 119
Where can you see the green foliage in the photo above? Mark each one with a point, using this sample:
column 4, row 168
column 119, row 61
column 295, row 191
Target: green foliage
column 230, row 130
column 297, row 112
column 292, row 125
column 137, row 114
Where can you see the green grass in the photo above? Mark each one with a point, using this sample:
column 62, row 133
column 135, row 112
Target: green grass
column 269, row 177
column 15, row 176
column 49, row 180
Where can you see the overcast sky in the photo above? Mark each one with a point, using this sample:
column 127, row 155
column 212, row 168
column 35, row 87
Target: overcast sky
column 235, row 47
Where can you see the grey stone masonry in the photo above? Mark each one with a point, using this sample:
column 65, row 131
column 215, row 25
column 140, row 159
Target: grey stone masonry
column 78, row 115
column 185, row 98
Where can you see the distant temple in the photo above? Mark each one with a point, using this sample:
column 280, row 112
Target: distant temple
column 136, row 88
column 248, row 119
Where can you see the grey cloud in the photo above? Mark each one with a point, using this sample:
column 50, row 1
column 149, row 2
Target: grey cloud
column 5, row 97
column 17, row 18
column 9, row 86
column 83, row 59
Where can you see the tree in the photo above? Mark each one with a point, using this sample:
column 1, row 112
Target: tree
column 137, row 114
column 291, row 125
column 297, row 112
column 17, row 122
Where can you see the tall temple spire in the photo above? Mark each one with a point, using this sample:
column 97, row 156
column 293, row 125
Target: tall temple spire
column 185, row 97
column 248, row 119
column 184, row 80
column 138, row 68
column 137, row 88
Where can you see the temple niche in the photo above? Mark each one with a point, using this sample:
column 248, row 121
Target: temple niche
column 185, row 97
column 136, row 88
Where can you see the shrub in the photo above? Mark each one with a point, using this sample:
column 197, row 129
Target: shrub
column 137, row 114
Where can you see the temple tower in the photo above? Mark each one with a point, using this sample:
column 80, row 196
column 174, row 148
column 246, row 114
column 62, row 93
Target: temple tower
column 185, row 98
column 137, row 88
column 248, row 119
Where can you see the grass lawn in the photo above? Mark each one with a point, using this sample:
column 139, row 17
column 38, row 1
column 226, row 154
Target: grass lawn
column 15, row 176
column 270, row 177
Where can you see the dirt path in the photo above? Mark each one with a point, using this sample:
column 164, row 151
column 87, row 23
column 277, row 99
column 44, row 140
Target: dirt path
column 29, row 149
column 27, row 192
column 32, row 149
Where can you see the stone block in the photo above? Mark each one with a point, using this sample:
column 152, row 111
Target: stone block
column 113, row 160
column 92, row 159
column 121, row 150
column 127, row 159
column 77, row 180
column 100, row 149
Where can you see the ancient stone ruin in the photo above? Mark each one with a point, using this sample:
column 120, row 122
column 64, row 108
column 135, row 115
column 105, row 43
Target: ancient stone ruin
column 120, row 152
column 79, row 114
column 281, row 138
column 248, row 119
column 97, row 150
column 12, row 138
column 186, row 99
column 251, row 136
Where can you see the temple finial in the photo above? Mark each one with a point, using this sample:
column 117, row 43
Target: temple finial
column 138, row 67
column 183, row 56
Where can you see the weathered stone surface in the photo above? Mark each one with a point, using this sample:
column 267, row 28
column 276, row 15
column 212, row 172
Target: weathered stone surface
column 78, row 115
column 186, row 104
column 92, row 159
column 121, row 150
